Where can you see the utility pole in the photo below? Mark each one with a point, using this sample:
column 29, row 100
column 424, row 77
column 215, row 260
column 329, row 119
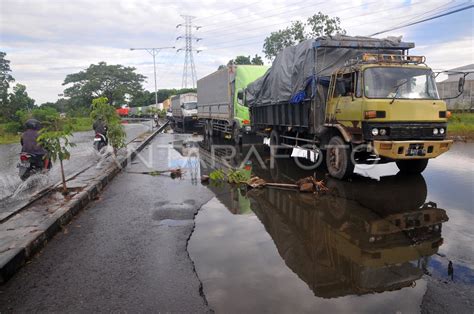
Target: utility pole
column 154, row 52
column 189, row 67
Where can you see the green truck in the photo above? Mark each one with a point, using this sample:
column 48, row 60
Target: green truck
column 220, row 100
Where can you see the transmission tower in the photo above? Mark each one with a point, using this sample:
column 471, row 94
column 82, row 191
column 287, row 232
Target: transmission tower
column 189, row 68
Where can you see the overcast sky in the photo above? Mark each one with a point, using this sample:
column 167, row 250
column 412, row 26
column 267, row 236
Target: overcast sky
column 46, row 40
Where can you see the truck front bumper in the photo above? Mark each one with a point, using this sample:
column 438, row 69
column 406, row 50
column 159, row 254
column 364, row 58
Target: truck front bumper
column 411, row 149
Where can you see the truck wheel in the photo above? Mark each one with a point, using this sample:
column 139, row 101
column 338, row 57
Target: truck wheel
column 274, row 139
column 236, row 135
column 211, row 129
column 338, row 156
column 412, row 166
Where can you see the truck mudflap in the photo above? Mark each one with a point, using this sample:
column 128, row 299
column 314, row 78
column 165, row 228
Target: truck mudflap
column 411, row 149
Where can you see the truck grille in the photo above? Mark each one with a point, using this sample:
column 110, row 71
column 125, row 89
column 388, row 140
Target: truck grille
column 404, row 131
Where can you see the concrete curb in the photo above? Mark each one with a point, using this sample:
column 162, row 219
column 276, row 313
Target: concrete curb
column 15, row 258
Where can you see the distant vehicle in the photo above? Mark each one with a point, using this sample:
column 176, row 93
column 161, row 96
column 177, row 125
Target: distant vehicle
column 184, row 109
column 100, row 141
column 123, row 111
column 351, row 99
column 221, row 105
column 169, row 114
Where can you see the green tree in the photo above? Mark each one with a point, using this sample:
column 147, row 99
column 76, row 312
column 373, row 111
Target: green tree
column 43, row 114
column 17, row 100
column 107, row 113
column 5, row 78
column 257, row 60
column 54, row 138
column 19, row 97
column 102, row 80
column 240, row 60
column 315, row 26
column 146, row 98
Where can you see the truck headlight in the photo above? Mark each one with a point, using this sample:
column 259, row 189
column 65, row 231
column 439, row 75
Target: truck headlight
column 375, row 131
column 383, row 132
column 435, row 131
column 441, row 131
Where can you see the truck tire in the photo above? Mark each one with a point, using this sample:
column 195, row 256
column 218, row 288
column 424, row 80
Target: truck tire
column 414, row 166
column 211, row 128
column 236, row 134
column 274, row 140
column 204, row 129
column 338, row 154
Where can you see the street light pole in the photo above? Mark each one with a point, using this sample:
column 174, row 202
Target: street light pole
column 154, row 52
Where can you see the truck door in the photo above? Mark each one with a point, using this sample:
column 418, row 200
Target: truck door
column 346, row 101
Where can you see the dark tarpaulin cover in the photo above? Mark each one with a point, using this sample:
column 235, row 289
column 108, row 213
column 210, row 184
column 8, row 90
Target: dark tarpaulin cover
column 292, row 69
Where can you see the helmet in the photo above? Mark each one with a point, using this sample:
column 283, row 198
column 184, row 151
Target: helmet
column 33, row 124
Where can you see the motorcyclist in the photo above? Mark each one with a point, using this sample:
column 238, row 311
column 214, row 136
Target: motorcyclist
column 30, row 145
column 100, row 126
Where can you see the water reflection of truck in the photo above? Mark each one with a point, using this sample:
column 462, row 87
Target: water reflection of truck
column 184, row 110
column 352, row 96
column 352, row 240
column 358, row 249
column 220, row 100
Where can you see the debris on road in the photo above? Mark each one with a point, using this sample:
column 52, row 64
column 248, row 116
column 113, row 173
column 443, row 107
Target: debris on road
column 174, row 173
column 310, row 184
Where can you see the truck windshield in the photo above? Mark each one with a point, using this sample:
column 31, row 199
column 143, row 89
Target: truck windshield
column 404, row 83
column 190, row 105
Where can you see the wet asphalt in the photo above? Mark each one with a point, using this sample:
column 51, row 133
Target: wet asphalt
column 126, row 252
column 15, row 193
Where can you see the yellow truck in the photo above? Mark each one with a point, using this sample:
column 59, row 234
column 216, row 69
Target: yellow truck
column 348, row 100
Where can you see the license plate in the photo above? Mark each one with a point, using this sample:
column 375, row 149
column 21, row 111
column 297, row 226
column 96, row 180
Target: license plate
column 195, row 117
column 416, row 150
column 24, row 164
column 97, row 139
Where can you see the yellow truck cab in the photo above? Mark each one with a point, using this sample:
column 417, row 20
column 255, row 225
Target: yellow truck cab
column 391, row 104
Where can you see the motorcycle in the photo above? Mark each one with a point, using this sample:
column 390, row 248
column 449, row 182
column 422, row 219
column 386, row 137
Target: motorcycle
column 100, row 141
column 31, row 164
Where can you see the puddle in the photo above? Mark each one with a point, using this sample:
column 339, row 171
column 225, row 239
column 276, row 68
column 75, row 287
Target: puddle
column 367, row 244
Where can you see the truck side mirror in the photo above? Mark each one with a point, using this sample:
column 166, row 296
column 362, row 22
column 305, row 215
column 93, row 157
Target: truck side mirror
column 461, row 82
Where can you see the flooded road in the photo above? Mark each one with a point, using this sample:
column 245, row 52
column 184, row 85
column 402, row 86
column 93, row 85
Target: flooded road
column 381, row 242
column 13, row 191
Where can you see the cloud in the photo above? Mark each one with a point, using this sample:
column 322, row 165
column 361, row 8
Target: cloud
column 46, row 40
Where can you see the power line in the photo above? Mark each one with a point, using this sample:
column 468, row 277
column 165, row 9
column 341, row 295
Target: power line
column 423, row 20
column 414, row 16
column 266, row 11
column 344, row 19
column 227, row 11
column 154, row 52
column 188, row 57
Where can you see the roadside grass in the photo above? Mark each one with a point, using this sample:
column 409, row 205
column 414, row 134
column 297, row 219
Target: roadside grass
column 6, row 137
column 82, row 124
column 461, row 124
column 79, row 124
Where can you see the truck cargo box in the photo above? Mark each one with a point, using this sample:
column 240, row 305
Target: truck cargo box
column 214, row 95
